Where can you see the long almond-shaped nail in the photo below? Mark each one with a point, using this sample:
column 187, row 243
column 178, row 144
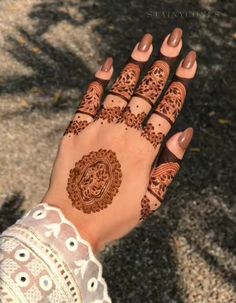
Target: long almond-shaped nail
column 185, row 138
column 175, row 37
column 145, row 43
column 189, row 60
column 107, row 65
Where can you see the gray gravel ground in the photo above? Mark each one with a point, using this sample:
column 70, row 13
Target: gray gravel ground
column 49, row 50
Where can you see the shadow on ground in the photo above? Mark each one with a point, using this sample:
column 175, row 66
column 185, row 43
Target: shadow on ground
column 144, row 265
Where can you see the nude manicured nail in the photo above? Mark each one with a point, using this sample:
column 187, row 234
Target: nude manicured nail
column 107, row 65
column 185, row 138
column 175, row 37
column 145, row 43
column 189, row 60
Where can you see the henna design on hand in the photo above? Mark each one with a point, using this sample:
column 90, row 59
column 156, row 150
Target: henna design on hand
column 125, row 84
column 146, row 210
column 153, row 83
column 149, row 133
column 132, row 120
column 111, row 114
column 75, row 127
column 89, row 106
column 94, row 181
column 161, row 177
column 172, row 102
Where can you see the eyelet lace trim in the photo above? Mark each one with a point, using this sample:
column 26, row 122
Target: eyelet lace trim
column 44, row 257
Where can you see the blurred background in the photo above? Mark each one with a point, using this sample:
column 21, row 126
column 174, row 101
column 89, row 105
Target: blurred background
column 49, row 50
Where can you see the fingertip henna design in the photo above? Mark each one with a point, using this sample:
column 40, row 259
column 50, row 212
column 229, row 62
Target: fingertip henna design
column 172, row 102
column 149, row 133
column 94, row 181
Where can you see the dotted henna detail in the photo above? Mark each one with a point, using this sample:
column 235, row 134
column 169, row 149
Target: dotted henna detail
column 132, row 120
column 152, row 84
column 125, row 84
column 75, row 127
column 91, row 99
column 149, row 133
column 111, row 114
column 94, row 181
column 146, row 210
column 172, row 102
column 161, row 177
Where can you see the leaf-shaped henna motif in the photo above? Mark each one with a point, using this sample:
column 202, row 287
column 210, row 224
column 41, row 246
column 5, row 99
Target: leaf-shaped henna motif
column 94, row 181
column 131, row 119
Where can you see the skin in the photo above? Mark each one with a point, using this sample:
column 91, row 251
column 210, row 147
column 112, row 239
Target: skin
column 133, row 151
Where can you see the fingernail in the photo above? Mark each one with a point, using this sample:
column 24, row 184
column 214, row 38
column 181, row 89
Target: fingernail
column 107, row 65
column 185, row 138
column 189, row 60
column 175, row 37
column 145, row 43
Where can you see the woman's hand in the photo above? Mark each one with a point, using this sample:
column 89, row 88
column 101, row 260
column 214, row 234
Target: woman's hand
column 110, row 172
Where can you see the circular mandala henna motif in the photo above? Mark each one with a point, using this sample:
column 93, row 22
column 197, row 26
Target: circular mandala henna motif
column 94, row 181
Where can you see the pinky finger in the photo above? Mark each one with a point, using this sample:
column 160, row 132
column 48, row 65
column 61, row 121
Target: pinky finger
column 164, row 171
column 91, row 100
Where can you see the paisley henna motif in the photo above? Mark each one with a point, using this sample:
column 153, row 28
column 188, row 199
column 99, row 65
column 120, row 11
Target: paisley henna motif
column 149, row 133
column 94, row 181
column 172, row 102
column 161, row 177
column 125, row 84
column 75, row 127
column 152, row 84
column 91, row 99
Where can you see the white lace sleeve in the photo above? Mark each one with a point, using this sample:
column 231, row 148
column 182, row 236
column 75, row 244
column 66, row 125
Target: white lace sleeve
column 44, row 259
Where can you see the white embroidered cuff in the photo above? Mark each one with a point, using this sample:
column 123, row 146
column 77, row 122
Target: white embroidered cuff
column 44, row 259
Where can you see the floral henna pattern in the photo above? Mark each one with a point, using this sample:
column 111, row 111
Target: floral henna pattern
column 111, row 114
column 125, row 84
column 91, row 100
column 172, row 102
column 152, row 84
column 94, row 181
column 161, row 177
column 131, row 119
column 146, row 210
column 149, row 133
column 75, row 127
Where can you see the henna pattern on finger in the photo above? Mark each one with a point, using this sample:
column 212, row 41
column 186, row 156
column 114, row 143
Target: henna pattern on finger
column 89, row 106
column 154, row 138
column 161, row 177
column 125, row 84
column 94, row 181
column 153, row 83
column 172, row 102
